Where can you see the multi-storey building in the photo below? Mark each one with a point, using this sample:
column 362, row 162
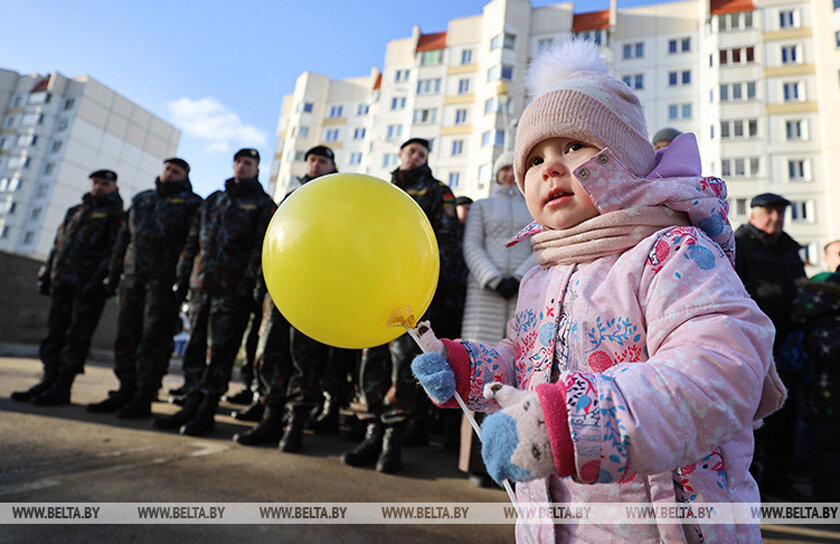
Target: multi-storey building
column 758, row 82
column 54, row 132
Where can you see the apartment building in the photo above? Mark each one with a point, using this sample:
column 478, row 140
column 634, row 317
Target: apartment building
column 758, row 82
column 54, row 131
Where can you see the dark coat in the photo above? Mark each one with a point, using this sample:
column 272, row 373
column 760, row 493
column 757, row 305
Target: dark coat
column 223, row 252
column 154, row 232
column 769, row 268
column 80, row 254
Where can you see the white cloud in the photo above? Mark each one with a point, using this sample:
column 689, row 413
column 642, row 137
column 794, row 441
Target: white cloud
column 210, row 120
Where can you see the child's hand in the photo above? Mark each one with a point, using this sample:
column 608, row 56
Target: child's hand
column 515, row 443
column 432, row 369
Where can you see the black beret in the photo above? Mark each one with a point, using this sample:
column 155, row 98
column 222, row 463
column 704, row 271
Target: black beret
column 179, row 162
column 321, row 151
column 768, row 200
column 421, row 141
column 248, row 152
column 461, row 200
column 110, row 175
column 665, row 135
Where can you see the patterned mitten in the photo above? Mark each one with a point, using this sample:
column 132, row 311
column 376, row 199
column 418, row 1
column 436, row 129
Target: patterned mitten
column 432, row 369
column 515, row 444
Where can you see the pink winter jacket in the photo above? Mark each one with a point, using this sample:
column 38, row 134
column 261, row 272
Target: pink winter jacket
column 662, row 362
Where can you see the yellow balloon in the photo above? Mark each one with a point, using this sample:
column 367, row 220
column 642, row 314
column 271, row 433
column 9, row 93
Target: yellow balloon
column 347, row 253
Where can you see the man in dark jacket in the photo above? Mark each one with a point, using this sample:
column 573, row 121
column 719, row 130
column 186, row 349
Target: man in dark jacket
column 145, row 254
column 220, row 263
column 72, row 276
column 767, row 261
column 386, row 392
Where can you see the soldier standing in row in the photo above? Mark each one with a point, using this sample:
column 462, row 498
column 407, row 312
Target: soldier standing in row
column 221, row 262
column 145, row 254
column 72, row 277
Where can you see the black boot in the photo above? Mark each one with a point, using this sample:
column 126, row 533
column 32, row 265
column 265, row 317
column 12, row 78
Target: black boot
column 114, row 402
column 25, row 396
column 366, row 452
column 254, row 412
column 204, row 420
column 268, row 431
column 292, row 441
column 390, row 459
column 177, row 419
column 58, row 394
column 326, row 421
column 245, row 396
column 416, row 434
column 139, row 406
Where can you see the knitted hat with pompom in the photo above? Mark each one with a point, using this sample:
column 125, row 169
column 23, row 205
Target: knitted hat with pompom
column 576, row 98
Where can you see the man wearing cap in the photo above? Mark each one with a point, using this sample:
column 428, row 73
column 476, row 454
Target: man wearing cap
column 220, row 263
column 767, row 261
column 386, row 392
column 145, row 255
column 664, row 137
column 72, row 277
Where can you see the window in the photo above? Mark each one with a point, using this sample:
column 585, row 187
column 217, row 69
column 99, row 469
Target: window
column 31, row 119
column 740, row 206
column 685, row 45
column 431, row 58
column 359, row 133
column 454, row 179
column 41, row 191
column 56, row 147
column 363, row 109
column 4, row 184
column 837, row 39
column 355, row 157
column 331, row 135
column 402, row 75
column 505, row 40
column 397, row 103
column 389, row 159
column 463, row 86
column 483, row 175
column 11, row 207
column 336, row 111
column 507, row 72
column 4, row 143
column 70, row 102
column 35, row 214
column 10, row 121
column 457, row 147
column 633, row 50
column 799, row 210
column 305, row 107
column 4, row 231
column 39, row 98
column 394, row 131
column 466, row 56
column 428, row 86
column 303, row 131
column 485, row 138
column 544, row 44
column 679, row 111
column 460, row 116
column 27, row 140
column 596, row 36
column 786, row 19
column 796, row 169
column 49, row 168
column 789, row 54
column 28, row 237
column 61, row 125
column 635, row 81
column 793, row 129
column 16, row 102
column 679, row 78
column 425, row 115
column 790, row 91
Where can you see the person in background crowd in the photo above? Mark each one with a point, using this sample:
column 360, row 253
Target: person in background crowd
column 462, row 206
column 72, row 277
column 386, row 394
column 220, row 263
column 145, row 255
column 664, row 137
column 767, row 261
column 831, row 256
column 494, row 275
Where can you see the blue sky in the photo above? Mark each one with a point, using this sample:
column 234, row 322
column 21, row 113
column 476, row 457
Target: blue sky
column 216, row 70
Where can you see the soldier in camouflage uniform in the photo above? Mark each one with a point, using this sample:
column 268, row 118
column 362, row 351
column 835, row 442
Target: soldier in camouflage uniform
column 72, row 276
column 220, row 263
column 386, row 392
column 145, row 254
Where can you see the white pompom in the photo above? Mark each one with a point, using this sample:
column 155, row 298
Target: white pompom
column 551, row 67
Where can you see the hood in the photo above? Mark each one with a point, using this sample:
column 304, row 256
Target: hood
column 675, row 182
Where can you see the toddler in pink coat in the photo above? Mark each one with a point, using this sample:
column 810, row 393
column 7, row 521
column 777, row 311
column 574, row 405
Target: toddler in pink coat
column 636, row 365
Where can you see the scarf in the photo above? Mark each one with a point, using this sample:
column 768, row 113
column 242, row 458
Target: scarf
column 605, row 234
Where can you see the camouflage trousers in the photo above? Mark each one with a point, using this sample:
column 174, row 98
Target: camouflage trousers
column 317, row 369
column 217, row 324
column 273, row 362
column 71, row 322
column 250, row 344
column 148, row 314
column 385, row 387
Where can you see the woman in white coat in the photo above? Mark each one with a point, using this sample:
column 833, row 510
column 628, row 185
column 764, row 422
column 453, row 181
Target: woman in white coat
column 493, row 282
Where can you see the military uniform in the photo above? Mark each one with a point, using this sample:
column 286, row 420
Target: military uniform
column 221, row 261
column 72, row 275
column 146, row 254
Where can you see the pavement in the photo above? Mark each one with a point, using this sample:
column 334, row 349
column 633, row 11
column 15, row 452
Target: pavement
column 67, row 455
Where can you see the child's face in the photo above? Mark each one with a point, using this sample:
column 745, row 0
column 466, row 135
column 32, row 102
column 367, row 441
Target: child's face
column 553, row 194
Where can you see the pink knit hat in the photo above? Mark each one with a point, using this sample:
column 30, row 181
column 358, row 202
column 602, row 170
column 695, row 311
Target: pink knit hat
column 576, row 98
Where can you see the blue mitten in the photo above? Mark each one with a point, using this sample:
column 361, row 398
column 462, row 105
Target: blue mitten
column 432, row 369
column 515, row 444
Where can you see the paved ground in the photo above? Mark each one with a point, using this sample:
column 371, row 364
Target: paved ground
column 65, row 454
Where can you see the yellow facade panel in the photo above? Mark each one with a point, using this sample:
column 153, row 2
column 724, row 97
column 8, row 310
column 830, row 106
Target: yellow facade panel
column 456, row 130
column 459, row 99
column 462, row 69
column 331, row 121
column 789, row 70
column 792, row 107
column 786, row 34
